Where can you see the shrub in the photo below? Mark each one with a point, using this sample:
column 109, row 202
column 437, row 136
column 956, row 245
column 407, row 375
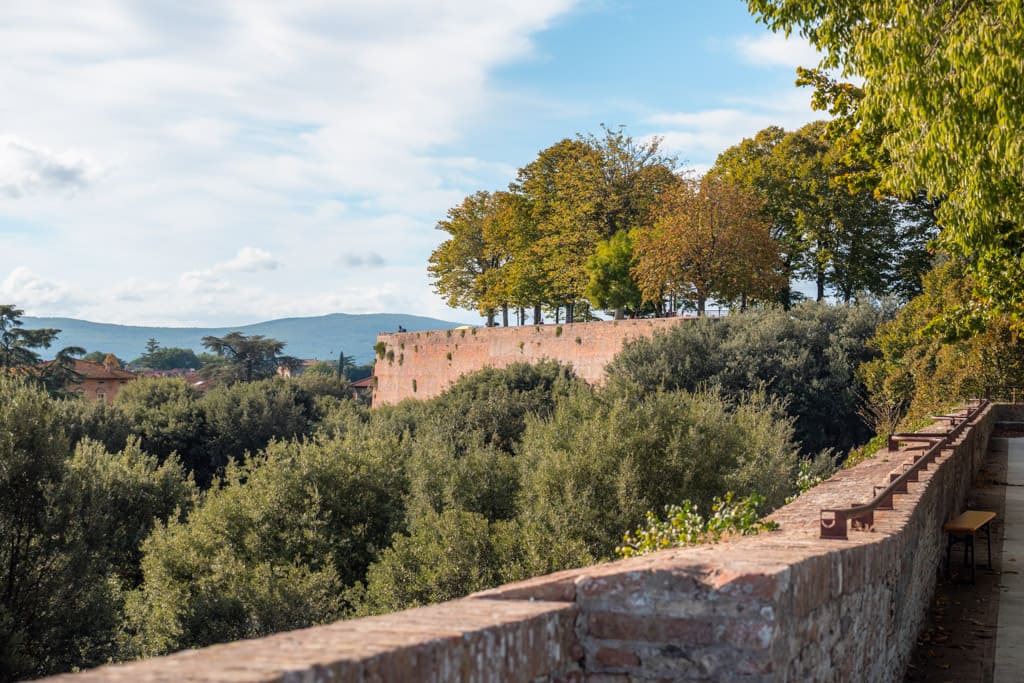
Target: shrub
column 593, row 469
column 684, row 525
column 272, row 547
column 806, row 358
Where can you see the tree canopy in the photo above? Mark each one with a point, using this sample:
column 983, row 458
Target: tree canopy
column 846, row 239
column 708, row 239
column 533, row 246
column 167, row 358
column 245, row 358
column 16, row 343
column 939, row 100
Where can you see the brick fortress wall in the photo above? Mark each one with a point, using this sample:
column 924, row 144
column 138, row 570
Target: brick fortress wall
column 423, row 364
column 781, row 606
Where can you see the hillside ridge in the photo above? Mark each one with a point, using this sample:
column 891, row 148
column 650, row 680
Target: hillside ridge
column 322, row 337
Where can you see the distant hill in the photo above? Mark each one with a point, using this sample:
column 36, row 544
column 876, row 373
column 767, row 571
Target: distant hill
column 322, row 337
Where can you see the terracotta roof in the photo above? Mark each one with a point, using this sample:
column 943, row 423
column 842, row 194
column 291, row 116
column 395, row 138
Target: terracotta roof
column 364, row 383
column 97, row 371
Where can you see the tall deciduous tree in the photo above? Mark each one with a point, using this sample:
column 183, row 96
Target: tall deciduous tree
column 562, row 187
column 611, row 283
column 940, row 84
column 831, row 225
column 708, row 239
column 462, row 266
column 529, row 247
column 923, row 371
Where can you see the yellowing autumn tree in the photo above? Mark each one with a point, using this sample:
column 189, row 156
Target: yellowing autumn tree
column 708, row 239
column 465, row 267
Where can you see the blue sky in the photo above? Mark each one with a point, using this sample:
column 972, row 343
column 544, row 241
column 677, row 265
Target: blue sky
column 228, row 162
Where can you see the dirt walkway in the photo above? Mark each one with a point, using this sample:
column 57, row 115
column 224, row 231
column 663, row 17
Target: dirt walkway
column 958, row 642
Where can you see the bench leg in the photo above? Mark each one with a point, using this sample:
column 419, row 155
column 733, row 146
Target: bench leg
column 988, row 538
column 974, row 563
column 949, row 555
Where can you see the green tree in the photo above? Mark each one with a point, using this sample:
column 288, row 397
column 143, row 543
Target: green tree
column 271, row 547
column 17, row 343
column 345, row 364
column 806, row 358
column 462, row 266
column 71, row 528
column 243, row 418
column 58, row 375
column 96, row 420
column 245, row 358
column 611, row 283
column 165, row 414
column 494, row 403
column 322, row 369
column 168, row 358
column 708, row 239
column 938, row 80
column 633, row 173
column 446, row 473
column 752, row 164
column 922, row 370
column 444, row 556
column 562, row 188
column 580, row 191
column 592, row 471
column 829, row 225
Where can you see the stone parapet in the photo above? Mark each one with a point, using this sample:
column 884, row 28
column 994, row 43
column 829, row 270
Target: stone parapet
column 464, row 640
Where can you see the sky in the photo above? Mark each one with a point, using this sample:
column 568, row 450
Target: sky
column 228, row 162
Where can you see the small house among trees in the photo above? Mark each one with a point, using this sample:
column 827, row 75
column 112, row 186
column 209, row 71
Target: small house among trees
column 96, row 381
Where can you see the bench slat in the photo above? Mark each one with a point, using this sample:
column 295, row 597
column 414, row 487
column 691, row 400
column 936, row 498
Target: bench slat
column 969, row 521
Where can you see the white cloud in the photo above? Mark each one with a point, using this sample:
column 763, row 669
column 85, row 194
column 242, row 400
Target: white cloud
column 775, row 49
column 27, row 168
column 29, row 291
column 699, row 136
column 313, row 128
column 249, row 260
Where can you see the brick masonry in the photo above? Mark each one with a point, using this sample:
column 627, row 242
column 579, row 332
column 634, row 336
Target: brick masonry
column 782, row 606
column 424, row 364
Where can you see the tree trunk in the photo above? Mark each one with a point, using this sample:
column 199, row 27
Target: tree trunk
column 504, row 315
column 743, row 302
column 570, row 312
column 619, row 313
column 558, row 311
column 819, row 281
column 538, row 315
column 701, row 307
column 522, row 316
column 490, row 317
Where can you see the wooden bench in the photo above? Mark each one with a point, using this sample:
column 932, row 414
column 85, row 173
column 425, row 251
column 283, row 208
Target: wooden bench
column 962, row 529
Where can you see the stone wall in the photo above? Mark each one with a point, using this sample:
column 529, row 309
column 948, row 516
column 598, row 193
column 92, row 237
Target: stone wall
column 423, row 364
column 782, row 606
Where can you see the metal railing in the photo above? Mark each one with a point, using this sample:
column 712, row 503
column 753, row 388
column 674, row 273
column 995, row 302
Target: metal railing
column 862, row 515
column 1005, row 393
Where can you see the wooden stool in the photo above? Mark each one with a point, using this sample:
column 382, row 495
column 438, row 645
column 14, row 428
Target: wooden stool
column 962, row 529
